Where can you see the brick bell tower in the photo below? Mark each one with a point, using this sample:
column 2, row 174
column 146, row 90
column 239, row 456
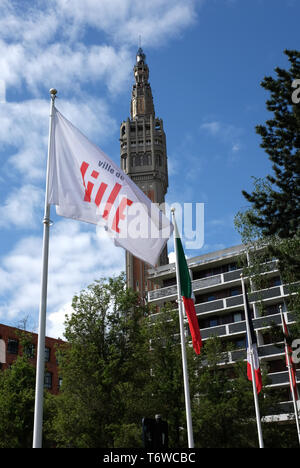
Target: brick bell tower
column 144, row 159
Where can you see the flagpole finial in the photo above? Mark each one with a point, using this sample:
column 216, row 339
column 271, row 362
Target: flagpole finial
column 53, row 92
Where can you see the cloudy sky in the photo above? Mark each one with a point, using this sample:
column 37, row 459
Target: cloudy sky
column 206, row 59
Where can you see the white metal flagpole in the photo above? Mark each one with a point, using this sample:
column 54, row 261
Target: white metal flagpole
column 250, row 345
column 182, row 339
column 290, row 375
column 39, row 386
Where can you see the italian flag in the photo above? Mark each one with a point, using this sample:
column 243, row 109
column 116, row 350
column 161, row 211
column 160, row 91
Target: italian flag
column 188, row 297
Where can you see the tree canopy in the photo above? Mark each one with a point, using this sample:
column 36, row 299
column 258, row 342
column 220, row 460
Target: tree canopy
column 276, row 209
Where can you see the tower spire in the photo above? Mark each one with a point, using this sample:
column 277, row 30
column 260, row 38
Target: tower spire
column 143, row 158
column 141, row 98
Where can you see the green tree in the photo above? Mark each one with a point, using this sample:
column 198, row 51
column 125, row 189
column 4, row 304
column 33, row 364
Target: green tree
column 165, row 390
column 270, row 225
column 224, row 413
column 277, row 209
column 123, row 363
column 103, row 368
column 16, row 405
column 17, row 397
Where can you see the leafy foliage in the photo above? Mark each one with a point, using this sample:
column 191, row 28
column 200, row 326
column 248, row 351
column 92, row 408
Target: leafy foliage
column 277, row 210
column 99, row 366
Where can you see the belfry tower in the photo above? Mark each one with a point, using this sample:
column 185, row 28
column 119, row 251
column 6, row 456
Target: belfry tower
column 144, row 159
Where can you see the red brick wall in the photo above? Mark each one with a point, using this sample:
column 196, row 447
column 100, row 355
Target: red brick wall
column 7, row 333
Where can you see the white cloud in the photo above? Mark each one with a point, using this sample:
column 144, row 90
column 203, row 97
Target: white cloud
column 43, row 46
column 77, row 257
column 172, row 257
column 227, row 133
column 56, row 321
column 20, row 208
column 124, row 20
column 24, row 127
column 64, row 66
column 236, row 147
column 212, row 127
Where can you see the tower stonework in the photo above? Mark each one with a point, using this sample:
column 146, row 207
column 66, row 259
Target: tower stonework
column 144, row 159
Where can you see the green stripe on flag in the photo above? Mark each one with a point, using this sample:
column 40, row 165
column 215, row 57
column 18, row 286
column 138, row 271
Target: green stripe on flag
column 185, row 279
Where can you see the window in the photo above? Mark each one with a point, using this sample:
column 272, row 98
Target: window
column 240, row 344
column 169, row 282
column 272, row 309
column 237, row 317
column 275, row 282
column 12, row 346
column 47, row 354
column 146, row 158
column 213, row 322
column 29, row 350
column 59, row 382
column 133, row 155
column 277, row 366
column 211, row 298
column 235, row 291
column 225, row 319
column 138, row 160
column 232, row 267
column 48, row 380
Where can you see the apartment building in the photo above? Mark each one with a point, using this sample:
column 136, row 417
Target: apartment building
column 220, row 311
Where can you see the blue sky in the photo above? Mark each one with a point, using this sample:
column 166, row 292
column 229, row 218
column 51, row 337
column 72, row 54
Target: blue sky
column 206, row 59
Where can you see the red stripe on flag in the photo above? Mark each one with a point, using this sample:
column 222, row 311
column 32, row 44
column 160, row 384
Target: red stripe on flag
column 258, row 378
column 193, row 323
column 289, row 360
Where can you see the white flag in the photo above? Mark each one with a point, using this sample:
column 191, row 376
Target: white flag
column 85, row 184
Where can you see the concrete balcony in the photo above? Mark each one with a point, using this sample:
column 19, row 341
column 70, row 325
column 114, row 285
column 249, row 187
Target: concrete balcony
column 239, row 328
column 231, row 278
column 237, row 301
column 265, row 351
column 170, row 292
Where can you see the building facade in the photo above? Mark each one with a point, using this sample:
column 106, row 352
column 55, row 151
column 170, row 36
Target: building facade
column 220, row 311
column 144, row 158
column 11, row 347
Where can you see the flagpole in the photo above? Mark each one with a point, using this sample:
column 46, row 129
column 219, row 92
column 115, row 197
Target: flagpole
column 182, row 339
column 250, row 344
column 290, row 375
column 40, row 366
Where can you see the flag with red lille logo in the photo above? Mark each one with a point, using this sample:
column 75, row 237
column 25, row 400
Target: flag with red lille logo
column 86, row 185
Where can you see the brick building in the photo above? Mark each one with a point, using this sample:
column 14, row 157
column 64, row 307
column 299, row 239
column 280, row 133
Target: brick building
column 11, row 347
